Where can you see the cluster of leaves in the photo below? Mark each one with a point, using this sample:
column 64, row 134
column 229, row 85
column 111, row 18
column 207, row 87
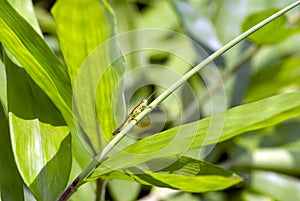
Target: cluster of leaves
column 41, row 148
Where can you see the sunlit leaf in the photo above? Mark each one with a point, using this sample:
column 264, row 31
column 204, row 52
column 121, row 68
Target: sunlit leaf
column 40, row 139
column 186, row 174
column 238, row 120
column 30, row 49
column 89, row 64
column 39, row 61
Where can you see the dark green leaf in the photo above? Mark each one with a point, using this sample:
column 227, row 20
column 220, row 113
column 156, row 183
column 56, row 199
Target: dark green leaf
column 10, row 181
column 186, row 174
column 285, row 72
column 275, row 32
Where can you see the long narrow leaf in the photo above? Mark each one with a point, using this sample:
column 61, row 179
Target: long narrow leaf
column 238, row 121
column 40, row 62
column 92, row 70
column 185, row 173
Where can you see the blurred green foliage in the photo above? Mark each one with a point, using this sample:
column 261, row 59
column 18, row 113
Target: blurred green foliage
column 43, row 46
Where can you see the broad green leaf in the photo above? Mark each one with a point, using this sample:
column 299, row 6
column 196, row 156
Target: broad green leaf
column 40, row 139
column 43, row 156
column 30, row 49
column 186, row 174
column 277, row 186
column 275, row 32
column 80, row 34
column 238, row 121
column 11, row 187
column 286, row 73
column 25, row 8
column 39, row 61
column 94, row 75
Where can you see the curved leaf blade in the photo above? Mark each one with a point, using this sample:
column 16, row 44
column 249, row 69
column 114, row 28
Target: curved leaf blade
column 238, row 120
column 93, row 74
column 185, row 174
column 30, row 49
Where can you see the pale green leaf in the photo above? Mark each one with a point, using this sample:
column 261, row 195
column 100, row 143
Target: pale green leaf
column 92, row 65
column 43, row 156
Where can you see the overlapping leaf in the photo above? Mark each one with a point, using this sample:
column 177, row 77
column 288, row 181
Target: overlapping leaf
column 238, row 120
column 185, row 173
column 89, row 63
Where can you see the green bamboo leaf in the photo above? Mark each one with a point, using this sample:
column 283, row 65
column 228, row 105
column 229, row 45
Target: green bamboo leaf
column 238, row 120
column 11, row 186
column 39, row 61
column 30, row 49
column 92, row 74
column 40, row 139
column 278, row 186
column 186, row 174
column 25, row 8
column 285, row 72
column 43, row 156
column 267, row 35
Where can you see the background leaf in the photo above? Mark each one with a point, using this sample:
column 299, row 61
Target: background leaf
column 267, row 35
column 277, row 186
column 284, row 71
column 122, row 190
